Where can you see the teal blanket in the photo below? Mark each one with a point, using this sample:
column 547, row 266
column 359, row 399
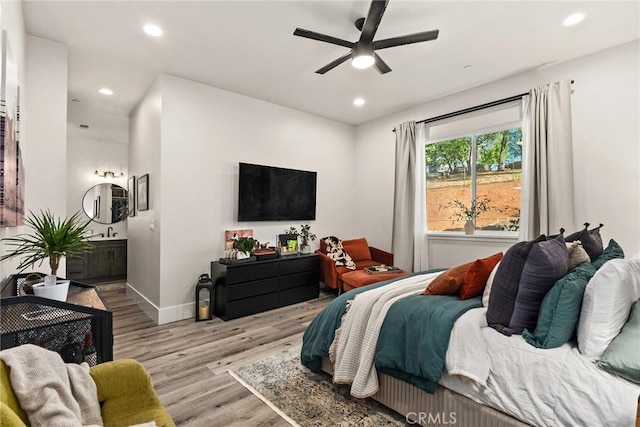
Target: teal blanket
column 413, row 340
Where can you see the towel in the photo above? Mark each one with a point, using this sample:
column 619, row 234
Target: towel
column 51, row 392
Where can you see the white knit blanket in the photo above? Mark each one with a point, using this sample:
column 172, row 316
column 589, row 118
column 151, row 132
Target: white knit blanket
column 51, row 392
column 467, row 351
column 356, row 340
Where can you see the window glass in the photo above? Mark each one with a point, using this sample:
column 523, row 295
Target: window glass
column 475, row 177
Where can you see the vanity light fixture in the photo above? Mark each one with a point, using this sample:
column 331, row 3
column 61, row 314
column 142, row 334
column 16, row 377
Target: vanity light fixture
column 109, row 174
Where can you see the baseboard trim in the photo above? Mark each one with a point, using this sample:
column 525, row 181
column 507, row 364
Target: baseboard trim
column 161, row 315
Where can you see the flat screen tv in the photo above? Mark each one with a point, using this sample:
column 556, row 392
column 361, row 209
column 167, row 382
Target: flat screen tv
column 267, row 193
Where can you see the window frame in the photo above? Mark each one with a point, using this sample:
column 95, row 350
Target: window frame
column 479, row 235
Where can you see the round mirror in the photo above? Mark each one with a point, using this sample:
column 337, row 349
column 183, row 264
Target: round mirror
column 105, row 203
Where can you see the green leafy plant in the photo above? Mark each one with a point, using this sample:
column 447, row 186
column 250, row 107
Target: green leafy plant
column 305, row 234
column 51, row 238
column 464, row 212
column 245, row 244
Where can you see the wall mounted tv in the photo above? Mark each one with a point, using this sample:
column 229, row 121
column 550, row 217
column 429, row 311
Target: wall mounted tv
column 267, row 193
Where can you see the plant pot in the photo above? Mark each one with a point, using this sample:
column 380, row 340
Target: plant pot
column 469, row 228
column 56, row 292
column 305, row 249
column 243, row 255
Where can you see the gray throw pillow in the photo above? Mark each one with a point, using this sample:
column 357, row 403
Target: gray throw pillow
column 505, row 284
column 546, row 264
column 591, row 240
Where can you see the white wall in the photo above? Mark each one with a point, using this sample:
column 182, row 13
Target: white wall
column 143, row 244
column 12, row 22
column 42, row 66
column 605, row 111
column 85, row 156
column 206, row 132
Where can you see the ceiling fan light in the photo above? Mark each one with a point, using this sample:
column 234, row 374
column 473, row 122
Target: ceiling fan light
column 362, row 61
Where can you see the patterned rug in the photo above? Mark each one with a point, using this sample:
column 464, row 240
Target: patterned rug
column 307, row 399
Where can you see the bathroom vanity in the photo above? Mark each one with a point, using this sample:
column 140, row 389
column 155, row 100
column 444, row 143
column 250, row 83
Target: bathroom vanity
column 106, row 261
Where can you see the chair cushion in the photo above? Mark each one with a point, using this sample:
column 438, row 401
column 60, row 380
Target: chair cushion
column 477, row 275
column 359, row 278
column 358, row 249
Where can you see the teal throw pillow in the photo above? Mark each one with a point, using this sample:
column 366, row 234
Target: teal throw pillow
column 560, row 309
column 621, row 357
column 612, row 251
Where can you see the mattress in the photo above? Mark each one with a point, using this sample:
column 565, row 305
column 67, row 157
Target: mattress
column 548, row 387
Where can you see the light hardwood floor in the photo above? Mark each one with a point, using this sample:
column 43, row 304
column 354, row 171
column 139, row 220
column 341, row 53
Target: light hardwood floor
column 188, row 361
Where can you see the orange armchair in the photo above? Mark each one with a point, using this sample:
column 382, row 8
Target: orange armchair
column 362, row 254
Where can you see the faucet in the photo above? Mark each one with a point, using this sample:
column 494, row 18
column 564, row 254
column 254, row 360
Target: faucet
column 109, row 230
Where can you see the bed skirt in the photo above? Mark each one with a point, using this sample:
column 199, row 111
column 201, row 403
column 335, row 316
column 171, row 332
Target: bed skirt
column 443, row 408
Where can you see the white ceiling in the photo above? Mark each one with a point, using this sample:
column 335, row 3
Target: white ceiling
column 248, row 47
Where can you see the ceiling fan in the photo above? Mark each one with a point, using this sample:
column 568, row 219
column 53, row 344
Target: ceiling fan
column 362, row 52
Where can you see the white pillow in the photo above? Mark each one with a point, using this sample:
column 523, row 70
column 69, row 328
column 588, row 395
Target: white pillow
column 606, row 305
column 487, row 287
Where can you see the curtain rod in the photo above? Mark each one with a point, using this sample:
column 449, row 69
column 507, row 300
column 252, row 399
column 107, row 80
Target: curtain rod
column 472, row 109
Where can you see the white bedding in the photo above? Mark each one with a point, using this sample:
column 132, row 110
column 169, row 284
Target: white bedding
column 546, row 387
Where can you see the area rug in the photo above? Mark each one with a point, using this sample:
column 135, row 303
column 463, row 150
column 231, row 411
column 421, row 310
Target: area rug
column 304, row 398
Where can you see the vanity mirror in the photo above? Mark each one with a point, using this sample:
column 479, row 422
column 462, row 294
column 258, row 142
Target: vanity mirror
column 105, row 203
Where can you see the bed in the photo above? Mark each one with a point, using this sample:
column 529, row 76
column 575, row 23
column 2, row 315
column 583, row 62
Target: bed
column 470, row 374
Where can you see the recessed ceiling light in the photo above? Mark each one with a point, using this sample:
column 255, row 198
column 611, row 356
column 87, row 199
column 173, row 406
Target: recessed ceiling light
column 573, row 19
column 106, row 91
column 467, row 67
column 76, row 100
column 152, row 30
column 358, row 102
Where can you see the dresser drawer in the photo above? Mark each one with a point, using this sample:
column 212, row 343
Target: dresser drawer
column 298, row 280
column 299, row 265
column 250, row 271
column 249, row 289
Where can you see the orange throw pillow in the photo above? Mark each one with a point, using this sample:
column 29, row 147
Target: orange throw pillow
column 449, row 282
column 476, row 278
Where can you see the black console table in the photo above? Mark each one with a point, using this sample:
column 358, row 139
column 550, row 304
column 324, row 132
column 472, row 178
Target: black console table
column 252, row 287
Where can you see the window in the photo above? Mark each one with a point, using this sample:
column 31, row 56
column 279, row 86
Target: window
column 484, row 166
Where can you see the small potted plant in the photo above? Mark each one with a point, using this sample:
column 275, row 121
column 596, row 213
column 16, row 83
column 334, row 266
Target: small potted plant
column 468, row 213
column 51, row 238
column 244, row 245
column 305, row 235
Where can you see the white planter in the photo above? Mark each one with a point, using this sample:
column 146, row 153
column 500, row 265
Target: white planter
column 57, row 292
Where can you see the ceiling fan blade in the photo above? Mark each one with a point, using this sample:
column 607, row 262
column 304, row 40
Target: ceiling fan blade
column 408, row 39
column 300, row 32
column 334, row 64
column 380, row 65
column 376, row 10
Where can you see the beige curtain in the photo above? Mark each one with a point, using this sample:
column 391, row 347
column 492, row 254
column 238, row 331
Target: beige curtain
column 547, row 192
column 404, row 201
